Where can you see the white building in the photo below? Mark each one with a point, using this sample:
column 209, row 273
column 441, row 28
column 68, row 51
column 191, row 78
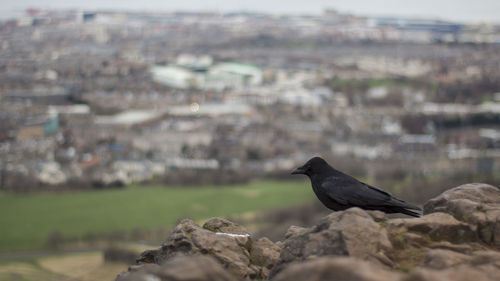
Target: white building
column 218, row 77
column 175, row 76
column 233, row 75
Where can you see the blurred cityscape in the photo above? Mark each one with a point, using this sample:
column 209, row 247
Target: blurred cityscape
column 102, row 99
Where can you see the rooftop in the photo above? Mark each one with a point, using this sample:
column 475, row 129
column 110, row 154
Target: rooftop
column 129, row 117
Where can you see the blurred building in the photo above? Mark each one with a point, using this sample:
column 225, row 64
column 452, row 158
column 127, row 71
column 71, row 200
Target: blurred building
column 422, row 30
column 193, row 73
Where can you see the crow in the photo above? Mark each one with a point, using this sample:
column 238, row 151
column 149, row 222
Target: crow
column 339, row 191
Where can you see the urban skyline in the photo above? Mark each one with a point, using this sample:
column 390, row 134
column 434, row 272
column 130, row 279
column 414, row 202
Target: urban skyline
column 464, row 11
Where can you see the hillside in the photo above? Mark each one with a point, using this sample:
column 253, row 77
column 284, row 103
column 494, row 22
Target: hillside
column 90, row 216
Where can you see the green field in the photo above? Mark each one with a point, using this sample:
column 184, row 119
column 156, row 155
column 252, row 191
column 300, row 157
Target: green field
column 26, row 220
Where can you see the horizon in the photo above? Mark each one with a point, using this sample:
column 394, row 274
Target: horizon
column 481, row 11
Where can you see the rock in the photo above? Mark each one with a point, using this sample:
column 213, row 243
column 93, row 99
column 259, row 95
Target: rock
column 295, row 231
column 482, row 266
column 180, row 268
column 137, row 276
column 141, row 268
column 440, row 259
column 414, row 239
column 459, row 248
column 349, row 233
column 224, row 226
column 336, row 268
column 264, row 253
column 194, row 268
column 229, row 243
column 378, row 216
column 488, row 262
column 485, row 257
column 147, row 256
column 477, row 204
column 460, row 273
column 144, row 267
column 456, row 239
column 438, row 226
column 188, row 239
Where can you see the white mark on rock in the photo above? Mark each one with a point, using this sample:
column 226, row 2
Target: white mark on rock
column 232, row 234
column 150, row 277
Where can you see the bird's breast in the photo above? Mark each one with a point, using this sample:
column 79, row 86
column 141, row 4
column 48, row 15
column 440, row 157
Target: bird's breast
column 330, row 203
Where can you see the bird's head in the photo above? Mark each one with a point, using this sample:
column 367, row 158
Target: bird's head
column 315, row 165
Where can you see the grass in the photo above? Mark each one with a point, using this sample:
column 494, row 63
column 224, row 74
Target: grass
column 82, row 267
column 68, row 267
column 26, row 220
column 73, row 266
column 26, row 272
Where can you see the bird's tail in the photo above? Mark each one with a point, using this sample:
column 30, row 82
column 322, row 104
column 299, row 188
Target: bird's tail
column 409, row 213
column 404, row 204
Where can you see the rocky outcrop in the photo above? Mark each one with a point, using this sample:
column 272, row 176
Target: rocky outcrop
column 228, row 243
column 336, row 268
column 438, row 227
column 456, row 239
column 349, row 233
column 476, row 204
column 179, row 268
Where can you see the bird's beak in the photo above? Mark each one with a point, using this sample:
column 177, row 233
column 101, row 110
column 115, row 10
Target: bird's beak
column 299, row 171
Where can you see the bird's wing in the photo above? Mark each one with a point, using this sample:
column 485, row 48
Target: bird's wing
column 349, row 191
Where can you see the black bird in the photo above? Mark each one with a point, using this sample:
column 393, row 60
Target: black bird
column 338, row 191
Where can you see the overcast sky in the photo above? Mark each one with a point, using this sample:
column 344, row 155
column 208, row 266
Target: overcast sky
column 459, row 10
